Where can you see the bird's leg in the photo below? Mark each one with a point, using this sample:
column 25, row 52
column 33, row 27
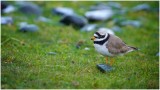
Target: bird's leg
column 111, row 61
column 106, row 60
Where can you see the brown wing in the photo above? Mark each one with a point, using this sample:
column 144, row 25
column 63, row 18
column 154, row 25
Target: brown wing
column 116, row 46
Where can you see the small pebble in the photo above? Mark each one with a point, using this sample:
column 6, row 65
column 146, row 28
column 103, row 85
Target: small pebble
column 86, row 48
column 52, row 53
column 89, row 27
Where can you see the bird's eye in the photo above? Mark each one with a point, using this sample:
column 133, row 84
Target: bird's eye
column 95, row 37
column 102, row 36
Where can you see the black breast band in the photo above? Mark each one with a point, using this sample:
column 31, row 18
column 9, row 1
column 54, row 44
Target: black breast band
column 103, row 41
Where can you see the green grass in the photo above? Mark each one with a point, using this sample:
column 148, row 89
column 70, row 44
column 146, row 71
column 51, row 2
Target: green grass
column 26, row 64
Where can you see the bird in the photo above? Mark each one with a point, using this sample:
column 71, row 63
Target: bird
column 110, row 45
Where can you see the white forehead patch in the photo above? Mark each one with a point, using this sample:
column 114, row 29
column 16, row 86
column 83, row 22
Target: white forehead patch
column 95, row 35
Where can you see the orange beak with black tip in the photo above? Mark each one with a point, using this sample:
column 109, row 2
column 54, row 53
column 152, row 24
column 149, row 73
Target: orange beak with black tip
column 93, row 38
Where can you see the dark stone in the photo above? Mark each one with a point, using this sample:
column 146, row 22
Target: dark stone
column 104, row 68
column 62, row 11
column 74, row 20
column 3, row 5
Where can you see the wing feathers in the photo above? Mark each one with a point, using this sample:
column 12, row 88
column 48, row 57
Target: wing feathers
column 116, row 46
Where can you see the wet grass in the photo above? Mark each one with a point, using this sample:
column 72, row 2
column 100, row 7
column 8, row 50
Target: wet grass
column 25, row 62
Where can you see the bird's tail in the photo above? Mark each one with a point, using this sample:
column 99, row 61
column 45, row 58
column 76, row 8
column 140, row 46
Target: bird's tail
column 133, row 48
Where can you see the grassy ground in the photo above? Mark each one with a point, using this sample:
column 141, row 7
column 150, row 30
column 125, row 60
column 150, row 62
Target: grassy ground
column 26, row 64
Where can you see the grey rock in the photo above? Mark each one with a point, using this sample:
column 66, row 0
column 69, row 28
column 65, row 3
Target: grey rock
column 6, row 20
column 99, row 15
column 116, row 29
column 89, row 27
column 125, row 22
column 145, row 7
column 114, row 5
column 134, row 23
column 76, row 21
column 118, row 21
column 43, row 19
column 63, row 11
column 24, row 27
column 105, row 6
column 99, row 6
column 9, row 9
column 29, row 8
column 122, row 11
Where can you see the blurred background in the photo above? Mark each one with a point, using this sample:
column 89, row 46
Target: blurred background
column 46, row 44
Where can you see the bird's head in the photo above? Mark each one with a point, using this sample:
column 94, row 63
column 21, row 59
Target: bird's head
column 98, row 36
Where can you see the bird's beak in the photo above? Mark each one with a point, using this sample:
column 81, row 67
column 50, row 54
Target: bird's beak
column 93, row 38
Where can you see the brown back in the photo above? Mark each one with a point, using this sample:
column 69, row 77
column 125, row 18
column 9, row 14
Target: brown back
column 116, row 46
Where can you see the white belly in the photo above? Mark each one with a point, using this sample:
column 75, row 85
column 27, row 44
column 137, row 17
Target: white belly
column 102, row 49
